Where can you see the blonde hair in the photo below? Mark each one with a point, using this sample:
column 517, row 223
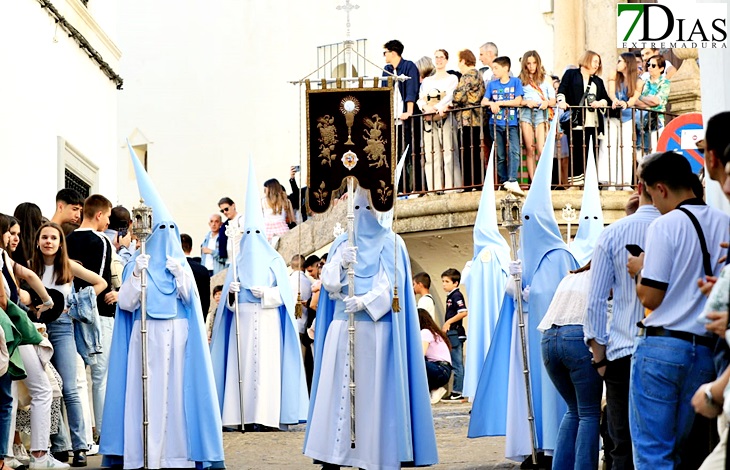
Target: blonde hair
column 587, row 57
column 276, row 197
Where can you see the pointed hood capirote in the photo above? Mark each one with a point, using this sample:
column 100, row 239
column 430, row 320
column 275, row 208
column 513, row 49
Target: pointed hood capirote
column 591, row 215
column 164, row 242
column 540, row 232
column 485, row 284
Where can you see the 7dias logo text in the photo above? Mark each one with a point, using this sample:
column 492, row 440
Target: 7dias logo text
column 671, row 25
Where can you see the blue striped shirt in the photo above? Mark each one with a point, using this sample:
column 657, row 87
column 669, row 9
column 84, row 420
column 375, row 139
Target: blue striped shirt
column 609, row 272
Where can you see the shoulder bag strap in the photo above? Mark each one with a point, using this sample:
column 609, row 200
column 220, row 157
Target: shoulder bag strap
column 703, row 244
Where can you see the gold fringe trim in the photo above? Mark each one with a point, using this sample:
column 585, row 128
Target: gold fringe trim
column 396, row 301
column 298, row 306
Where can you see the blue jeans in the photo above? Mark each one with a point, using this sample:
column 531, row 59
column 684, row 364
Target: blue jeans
column 6, row 410
column 568, row 363
column 507, row 170
column 457, row 362
column 665, row 374
column 437, row 374
column 61, row 336
column 99, row 370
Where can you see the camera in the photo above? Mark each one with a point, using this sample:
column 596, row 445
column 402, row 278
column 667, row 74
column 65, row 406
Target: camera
column 590, row 98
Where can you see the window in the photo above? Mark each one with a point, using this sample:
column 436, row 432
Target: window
column 75, row 170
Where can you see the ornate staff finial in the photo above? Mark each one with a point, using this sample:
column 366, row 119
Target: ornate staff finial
column 569, row 216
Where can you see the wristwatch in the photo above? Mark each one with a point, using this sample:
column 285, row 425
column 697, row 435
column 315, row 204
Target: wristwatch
column 597, row 365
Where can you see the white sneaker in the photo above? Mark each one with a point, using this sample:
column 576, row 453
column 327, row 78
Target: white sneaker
column 93, row 449
column 47, row 461
column 21, row 454
column 514, row 188
column 437, row 395
column 12, row 462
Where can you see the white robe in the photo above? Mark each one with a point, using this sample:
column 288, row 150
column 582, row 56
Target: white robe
column 260, row 344
column 329, row 434
column 167, row 430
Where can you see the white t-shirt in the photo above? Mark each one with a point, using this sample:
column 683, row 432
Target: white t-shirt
column 426, row 302
column 212, row 241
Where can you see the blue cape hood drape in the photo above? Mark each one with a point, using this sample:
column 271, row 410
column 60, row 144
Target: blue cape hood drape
column 416, row 439
column 205, row 439
column 485, row 285
column 256, row 261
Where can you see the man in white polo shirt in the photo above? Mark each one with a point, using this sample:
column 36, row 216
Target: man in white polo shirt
column 673, row 354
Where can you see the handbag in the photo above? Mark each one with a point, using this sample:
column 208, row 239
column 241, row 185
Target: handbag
column 570, row 120
column 454, row 339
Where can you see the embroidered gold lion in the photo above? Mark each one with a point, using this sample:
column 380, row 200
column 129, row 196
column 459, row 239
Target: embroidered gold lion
column 327, row 139
column 375, row 148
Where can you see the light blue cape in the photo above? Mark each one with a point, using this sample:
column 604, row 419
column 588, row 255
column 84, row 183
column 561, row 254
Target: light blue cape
column 256, row 260
column 414, row 420
column 545, row 260
column 590, row 223
column 205, row 439
column 485, row 285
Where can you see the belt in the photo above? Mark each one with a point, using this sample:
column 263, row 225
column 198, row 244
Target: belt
column 698, row 340
column 444, row 364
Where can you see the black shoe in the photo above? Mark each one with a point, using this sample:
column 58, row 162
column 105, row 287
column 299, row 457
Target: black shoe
column 61, row 456
column 79, row 458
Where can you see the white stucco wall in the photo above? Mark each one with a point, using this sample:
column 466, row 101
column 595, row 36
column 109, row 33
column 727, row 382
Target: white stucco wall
column 206, row 82
column 49, row 88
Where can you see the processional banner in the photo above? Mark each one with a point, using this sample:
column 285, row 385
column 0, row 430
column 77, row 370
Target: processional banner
column 350, row 133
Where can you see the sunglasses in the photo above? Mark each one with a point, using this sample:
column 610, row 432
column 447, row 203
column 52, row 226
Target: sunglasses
column 651, row 66
column 224, row 210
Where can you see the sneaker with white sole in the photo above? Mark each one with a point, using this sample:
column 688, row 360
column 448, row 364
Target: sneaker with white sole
column 514, row 188
column 455, row 397
column 437, row 395
column 21, row 454
column 46, row 461
column 93, row 449
column 12, row 462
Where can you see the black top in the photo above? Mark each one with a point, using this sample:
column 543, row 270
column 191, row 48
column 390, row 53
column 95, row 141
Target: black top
column 455, row 304
column 89, row 248
column 202, row 280
column 573, row 88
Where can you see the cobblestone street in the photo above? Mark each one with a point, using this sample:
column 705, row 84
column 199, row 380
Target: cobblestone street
column 283, row 450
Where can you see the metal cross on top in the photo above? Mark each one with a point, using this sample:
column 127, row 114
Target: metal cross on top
column 348, row 7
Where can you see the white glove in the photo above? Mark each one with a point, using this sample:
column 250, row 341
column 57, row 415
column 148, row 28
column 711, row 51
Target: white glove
column 257, row 291
column 354, row 304
column 526, row 294
column 174, row 267
column 349, row 256
column 515, row 268
column 234, row 287
column 142, row 262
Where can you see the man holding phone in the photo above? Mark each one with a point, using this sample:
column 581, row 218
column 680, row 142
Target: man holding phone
column 612, row 342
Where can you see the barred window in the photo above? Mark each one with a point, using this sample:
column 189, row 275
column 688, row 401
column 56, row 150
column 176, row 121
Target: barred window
column 73, row 181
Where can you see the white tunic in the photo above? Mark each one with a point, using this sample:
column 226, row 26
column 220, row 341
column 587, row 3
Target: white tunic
column 329, row 435
column 166, row 345
column 260, row 343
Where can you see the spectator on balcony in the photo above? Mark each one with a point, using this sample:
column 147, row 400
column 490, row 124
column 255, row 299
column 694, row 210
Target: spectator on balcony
column 646, row 54
column 278, row 211
column 487, row 53
column 539, row 99
column 615, row 161
column 653, row 101
column 468, row 94
column 583, row 90
column 505, row 90
column 437, row 92
column 405, row 96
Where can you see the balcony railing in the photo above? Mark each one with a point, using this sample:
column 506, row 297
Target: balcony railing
column 446, row 156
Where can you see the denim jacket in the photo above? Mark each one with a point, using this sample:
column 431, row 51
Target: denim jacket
column 87, row 327
column 218, row 265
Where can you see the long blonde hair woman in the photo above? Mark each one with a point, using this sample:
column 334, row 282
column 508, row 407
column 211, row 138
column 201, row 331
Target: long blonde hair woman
column 278, row 211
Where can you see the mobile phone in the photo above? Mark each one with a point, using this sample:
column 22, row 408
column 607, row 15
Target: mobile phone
column 296, row 168
column 635, row 250
column 122, row 232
